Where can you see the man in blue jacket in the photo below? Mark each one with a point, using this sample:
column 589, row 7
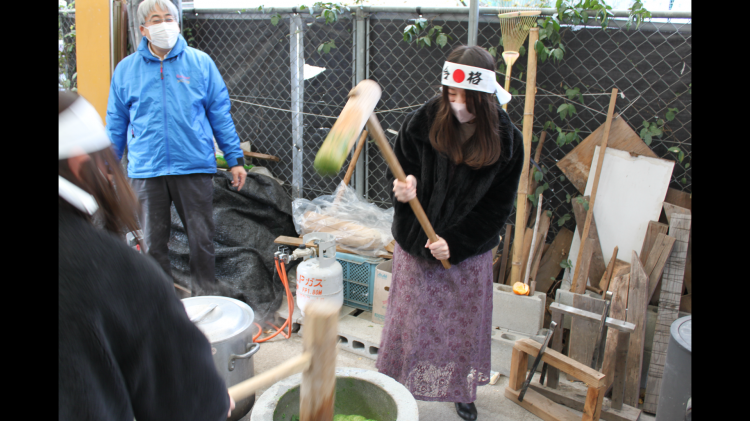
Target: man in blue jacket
column 167, row 102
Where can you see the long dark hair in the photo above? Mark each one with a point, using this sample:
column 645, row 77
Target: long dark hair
column 482, row 148
column 116, row 199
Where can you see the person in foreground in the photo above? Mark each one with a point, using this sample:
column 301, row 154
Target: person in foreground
column 464, row 158
column 126, row 348
column 166, row 103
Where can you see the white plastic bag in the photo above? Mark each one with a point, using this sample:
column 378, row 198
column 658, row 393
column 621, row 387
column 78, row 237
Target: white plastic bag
column 360, row 227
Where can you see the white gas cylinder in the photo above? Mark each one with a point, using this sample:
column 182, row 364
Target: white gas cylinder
column 320, row 278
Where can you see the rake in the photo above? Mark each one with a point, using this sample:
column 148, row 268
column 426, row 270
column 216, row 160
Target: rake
column 514, row 27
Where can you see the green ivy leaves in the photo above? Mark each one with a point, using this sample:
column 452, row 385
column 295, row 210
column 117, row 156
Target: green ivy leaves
column 325, row 47
column 566, row 110
column 434, row 35
column 651, row 129
column 680, row 154
column 671, row 112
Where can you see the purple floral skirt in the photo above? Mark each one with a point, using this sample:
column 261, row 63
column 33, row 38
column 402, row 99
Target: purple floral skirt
column 436, row 337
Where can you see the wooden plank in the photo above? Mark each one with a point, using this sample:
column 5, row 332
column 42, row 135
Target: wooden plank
column 621, row 357
column 576, row 165
column 637, row 307
column 619, row 288
column 549, row 266
column 679, row 198
column 654, row 228
column 574, row 399
column 621, row 268
column 592, row 408
column 596, row 266
column 296, row 242
column 583, row 331
column 574, row 312
column 573, row 368
column 261, row 156
column 684, row 200
column 506, row 253
column 541, row 406
column 553, row 374
column 657, row 259
column 519, row 362
column 686, row 303
column 541, row 239
column 579, row 284
column 669, row 304
column 670, row 209
column 607, row 277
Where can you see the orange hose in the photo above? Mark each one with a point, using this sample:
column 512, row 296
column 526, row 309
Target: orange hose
column 290, row 305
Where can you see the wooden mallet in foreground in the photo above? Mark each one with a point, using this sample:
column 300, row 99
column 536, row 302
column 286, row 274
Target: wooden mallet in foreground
column 358, row 111
column 317, row 364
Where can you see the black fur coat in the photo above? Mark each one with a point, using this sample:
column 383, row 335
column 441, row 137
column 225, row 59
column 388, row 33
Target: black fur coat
column 468, row 209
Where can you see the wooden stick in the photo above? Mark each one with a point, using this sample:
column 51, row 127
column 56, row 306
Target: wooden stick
column 504, row 256
column 261, row 156
column 604, row 284
column 532, row 183
column 527, row 274
column 376, row 131
column 291, row 366
column 595, row 186
column 523, row 184
column 355, row 157
column 318, row 389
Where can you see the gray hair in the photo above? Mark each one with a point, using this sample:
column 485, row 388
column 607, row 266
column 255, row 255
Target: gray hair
column 148, row 6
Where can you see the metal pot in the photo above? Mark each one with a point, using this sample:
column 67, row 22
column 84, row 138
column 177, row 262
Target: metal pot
column 227, row 323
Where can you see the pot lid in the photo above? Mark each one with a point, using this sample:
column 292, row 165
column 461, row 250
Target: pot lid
column 682, row 332
column 219, row 318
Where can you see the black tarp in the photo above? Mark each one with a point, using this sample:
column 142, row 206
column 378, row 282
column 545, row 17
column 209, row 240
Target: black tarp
column 247, row 223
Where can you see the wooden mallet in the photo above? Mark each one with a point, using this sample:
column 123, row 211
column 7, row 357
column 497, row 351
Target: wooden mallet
column 317, row 364
column 358, row 111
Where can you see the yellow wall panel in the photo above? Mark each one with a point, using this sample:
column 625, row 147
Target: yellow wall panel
column 92, row 52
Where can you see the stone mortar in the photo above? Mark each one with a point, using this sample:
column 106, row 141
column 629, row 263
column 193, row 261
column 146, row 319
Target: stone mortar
column 358, row 391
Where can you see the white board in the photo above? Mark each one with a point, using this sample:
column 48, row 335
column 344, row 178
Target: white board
column 630, row 194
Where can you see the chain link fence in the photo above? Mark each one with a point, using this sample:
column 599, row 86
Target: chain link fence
column 66, row 69
column 255, row 53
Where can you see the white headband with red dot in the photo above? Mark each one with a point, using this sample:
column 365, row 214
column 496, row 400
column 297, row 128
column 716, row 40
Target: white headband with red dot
column 473, row 78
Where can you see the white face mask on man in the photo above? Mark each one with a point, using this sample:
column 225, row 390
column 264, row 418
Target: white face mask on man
column 462, row 114
column 164, row 35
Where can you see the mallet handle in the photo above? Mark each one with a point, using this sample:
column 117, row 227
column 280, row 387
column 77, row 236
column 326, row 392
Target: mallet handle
column 376, row 131
column 291, row 366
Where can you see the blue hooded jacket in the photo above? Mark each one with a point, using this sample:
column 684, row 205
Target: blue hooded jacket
column 167, row 114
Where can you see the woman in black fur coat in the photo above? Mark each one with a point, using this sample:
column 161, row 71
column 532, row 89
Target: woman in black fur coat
column 464, row 158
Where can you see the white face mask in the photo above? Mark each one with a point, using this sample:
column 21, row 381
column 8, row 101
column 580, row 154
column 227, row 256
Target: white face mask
column 164, row 35
column 461, row 113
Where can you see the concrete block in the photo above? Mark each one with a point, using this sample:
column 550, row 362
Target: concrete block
column 359, row 336
column 518, row 313
column 502, row 348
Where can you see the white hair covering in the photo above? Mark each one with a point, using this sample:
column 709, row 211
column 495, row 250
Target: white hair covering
column 81, row 131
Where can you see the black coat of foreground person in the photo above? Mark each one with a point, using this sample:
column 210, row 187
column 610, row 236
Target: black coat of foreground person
column 126, row 348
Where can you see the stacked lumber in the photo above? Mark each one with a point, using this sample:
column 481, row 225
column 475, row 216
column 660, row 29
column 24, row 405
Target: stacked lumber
column 632, row 240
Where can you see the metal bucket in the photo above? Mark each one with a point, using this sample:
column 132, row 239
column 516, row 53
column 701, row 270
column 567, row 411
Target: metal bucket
column 676, row 385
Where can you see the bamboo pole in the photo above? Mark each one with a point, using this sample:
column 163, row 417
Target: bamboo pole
column 590, row 214
column 523, row 184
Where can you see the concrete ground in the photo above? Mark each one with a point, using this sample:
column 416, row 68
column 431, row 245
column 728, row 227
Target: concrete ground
column 491, row 402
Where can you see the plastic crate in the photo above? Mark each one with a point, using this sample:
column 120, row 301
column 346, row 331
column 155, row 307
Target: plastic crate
column 359, row 279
